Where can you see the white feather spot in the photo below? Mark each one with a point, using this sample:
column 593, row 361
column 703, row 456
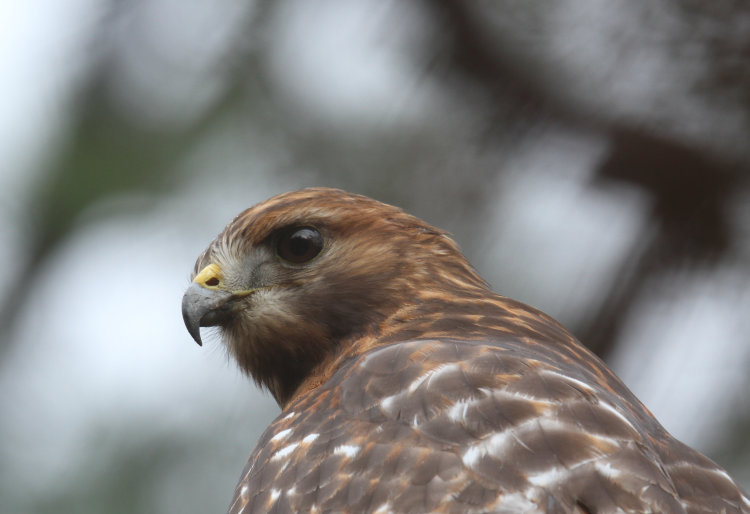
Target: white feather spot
column 504, row 393
column 496, row 444
column 290, row 415
column 722, row 473
column 286, row 450
column 387, row 402
column 613, row 410
column 432, row 374
column 418, row 381
column 579, row 383
column 458, row 410
column 275, row 494
column 282, row 435
column 473, row 454
column 549, row 477
column 310, row 438
column 606, row 469
column 346, row 449
column 515, row 502
column 383, row 508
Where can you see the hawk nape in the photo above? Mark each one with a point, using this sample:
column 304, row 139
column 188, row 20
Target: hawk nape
column 406, row 385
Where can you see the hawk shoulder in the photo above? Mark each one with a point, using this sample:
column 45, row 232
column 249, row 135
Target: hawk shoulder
column 445, row 425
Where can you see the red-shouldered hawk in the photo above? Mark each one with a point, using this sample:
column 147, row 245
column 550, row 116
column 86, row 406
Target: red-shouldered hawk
column 407, row 385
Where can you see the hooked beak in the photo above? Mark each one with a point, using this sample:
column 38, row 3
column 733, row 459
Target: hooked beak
column 203, row 307
column 207, row 303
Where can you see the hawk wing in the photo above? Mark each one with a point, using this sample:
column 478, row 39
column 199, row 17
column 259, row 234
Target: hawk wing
column 453, row 426
column 407, row 385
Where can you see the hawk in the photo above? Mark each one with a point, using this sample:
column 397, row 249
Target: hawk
column 407, row 385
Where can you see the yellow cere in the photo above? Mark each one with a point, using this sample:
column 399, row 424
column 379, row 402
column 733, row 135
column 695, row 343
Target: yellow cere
column 210, row 277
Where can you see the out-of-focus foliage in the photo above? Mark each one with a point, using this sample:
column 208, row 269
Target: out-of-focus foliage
column 591, row 158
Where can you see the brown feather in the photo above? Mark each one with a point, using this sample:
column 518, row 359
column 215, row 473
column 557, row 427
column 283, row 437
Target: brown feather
column 408, row 386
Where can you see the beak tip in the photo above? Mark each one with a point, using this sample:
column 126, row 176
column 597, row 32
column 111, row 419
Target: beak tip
column 201, row 307
column 196, row 335
column 191, row 315
column 193, row 327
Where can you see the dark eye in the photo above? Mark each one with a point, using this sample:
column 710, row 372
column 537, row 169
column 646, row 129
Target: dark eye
column 300, row 245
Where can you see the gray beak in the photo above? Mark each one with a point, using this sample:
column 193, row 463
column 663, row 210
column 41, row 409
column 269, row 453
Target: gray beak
column 202, row 307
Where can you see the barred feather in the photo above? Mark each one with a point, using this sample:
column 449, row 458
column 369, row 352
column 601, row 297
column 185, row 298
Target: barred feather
column 408, row 386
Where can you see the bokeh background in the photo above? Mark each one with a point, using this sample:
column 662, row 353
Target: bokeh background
column 591, row 157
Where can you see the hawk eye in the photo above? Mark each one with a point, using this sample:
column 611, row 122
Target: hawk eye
column 300, row 245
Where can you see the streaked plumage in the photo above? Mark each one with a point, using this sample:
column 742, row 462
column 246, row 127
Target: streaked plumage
column 406, row 385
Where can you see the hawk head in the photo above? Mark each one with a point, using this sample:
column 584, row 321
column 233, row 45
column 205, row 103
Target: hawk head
column 292, row 282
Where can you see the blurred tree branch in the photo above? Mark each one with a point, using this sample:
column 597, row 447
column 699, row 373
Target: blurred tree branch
column 689, row 187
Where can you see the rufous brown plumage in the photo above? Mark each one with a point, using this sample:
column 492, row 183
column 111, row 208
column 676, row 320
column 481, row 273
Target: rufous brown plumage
column 407, row 385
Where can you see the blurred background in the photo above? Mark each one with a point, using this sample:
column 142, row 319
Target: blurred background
column 591, row 157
